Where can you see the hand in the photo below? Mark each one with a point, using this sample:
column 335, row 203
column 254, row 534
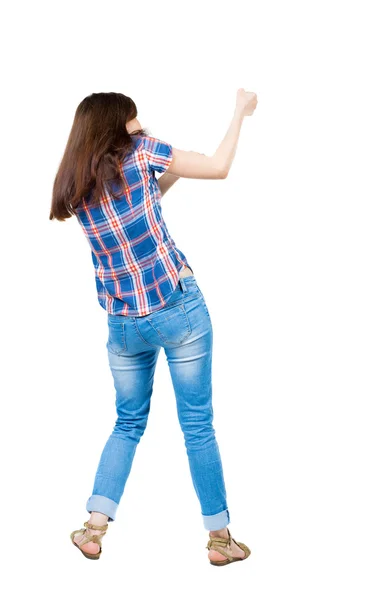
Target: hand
column 246, row 102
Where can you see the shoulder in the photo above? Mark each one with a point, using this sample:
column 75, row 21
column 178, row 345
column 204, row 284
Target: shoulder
column 157, row 153
column 151, row 144
column 154, row 144
column 149, row 140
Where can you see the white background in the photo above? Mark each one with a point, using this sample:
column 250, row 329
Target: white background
column 278, row 251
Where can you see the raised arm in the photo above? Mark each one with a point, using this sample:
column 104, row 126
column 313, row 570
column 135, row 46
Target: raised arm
column 194, row 165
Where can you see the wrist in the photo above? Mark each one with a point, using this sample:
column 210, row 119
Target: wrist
column 239, row 113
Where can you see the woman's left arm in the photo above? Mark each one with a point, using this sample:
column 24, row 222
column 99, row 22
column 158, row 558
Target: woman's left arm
column 166, row 181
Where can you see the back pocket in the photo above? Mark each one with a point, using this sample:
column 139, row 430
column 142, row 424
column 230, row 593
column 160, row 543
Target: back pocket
column 116, row 343
column 171, row 324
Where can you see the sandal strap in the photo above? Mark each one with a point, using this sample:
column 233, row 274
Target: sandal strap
column 97, row 527
column 221, row 541
column 92, row 538
column 221, row 551
column 87, row 538
column 218, row 543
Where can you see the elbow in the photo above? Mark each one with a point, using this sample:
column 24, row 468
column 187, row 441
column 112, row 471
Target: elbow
column 219, row 169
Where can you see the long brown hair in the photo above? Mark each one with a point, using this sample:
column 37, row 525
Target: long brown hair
column 97, row 143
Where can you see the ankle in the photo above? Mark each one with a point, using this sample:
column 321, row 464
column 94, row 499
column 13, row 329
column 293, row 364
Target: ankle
column 220, row 533
column 97, row 518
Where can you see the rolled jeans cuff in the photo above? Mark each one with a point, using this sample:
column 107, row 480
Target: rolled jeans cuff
column 217, row 521
column 103, row 505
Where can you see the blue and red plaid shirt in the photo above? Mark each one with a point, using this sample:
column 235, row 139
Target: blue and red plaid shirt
column 136, row 262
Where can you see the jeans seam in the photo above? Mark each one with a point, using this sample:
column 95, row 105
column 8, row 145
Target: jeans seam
column 188, row 295
column 205, row 306
column 142, row 338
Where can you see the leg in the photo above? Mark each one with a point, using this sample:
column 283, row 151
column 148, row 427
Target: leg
column 133, row 376
column 190, row 366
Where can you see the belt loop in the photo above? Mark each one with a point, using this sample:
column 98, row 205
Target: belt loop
column 183, row 285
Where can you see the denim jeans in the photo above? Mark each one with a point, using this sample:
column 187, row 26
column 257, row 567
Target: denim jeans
column 184, row 329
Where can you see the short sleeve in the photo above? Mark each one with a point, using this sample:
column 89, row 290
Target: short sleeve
column 159, row 153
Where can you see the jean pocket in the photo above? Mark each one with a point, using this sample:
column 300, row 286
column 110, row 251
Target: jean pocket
column 116, row 343
column 171, row 324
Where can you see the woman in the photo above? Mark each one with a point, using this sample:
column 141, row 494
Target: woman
column 149, row 291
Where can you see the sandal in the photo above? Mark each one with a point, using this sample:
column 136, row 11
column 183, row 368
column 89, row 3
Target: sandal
column 90, row 538
column 218, row 543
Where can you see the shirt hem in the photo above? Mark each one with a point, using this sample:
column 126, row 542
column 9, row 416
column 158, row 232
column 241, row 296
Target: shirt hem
column 135, row 313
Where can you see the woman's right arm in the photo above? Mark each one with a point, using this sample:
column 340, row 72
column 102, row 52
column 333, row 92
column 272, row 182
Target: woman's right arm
column 199, row 166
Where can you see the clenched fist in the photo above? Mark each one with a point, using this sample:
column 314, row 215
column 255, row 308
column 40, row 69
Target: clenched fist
column 246, row 102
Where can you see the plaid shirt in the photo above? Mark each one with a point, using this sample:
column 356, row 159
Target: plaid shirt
column 136, row 262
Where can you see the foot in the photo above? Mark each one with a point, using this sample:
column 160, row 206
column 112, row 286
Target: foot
column 91, row 547
column 233, row 550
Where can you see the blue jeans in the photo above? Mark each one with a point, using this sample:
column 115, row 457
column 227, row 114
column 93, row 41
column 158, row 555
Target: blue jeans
column 183, row 328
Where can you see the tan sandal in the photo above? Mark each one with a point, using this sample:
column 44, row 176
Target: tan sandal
column 90, row 538
column 218, row 543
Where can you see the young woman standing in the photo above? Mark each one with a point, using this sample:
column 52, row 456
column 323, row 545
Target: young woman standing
column 148, row 288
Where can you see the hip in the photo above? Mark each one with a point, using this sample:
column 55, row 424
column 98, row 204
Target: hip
column 183, row 318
